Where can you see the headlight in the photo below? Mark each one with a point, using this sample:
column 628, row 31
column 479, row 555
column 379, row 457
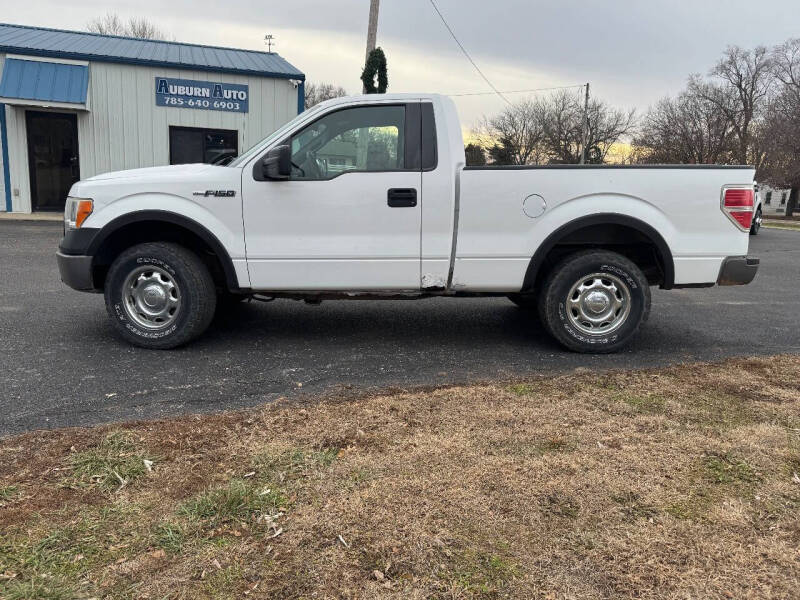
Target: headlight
column 76, row 211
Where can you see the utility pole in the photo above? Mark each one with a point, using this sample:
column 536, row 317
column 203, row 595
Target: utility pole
column 585, row 128
column 372, row 30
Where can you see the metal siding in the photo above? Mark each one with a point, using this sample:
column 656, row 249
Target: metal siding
column 115, row 107
column 18, row 159
column 145, row 131
column 94, row 47
column 125, row 129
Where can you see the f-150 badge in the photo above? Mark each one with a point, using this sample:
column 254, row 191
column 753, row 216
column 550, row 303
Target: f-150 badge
column 216, row 193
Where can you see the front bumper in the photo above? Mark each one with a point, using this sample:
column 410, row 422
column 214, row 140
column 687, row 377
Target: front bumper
column 75, row 257
column 738, row 270
column 76, row 271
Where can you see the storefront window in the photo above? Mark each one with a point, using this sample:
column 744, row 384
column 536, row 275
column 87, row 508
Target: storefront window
column 195, row 145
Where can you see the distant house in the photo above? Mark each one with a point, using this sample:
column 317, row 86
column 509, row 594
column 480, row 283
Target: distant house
column 773, row 200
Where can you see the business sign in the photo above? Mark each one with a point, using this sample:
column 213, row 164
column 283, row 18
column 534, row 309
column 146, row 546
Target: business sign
column 205, row 95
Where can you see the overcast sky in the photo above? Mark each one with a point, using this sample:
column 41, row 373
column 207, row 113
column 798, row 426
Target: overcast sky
column 632, row 51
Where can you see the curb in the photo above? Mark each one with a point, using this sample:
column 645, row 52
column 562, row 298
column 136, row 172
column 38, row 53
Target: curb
column 781, row 227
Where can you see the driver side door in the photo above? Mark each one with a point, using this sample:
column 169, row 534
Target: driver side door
column 348, row 218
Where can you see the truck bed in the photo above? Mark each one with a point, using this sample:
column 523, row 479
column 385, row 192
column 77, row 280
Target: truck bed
column 528, row 203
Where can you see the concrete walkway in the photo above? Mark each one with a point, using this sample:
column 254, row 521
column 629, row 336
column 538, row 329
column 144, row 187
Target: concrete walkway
column 37, row 216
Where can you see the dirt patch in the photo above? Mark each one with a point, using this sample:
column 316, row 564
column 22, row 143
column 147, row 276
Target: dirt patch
column 677, row 482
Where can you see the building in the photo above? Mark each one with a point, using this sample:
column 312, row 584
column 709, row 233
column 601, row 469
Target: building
column 75, row 104
column 773, row 200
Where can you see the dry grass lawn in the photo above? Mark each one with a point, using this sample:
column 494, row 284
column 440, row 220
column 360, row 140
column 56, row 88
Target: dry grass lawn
column 681, row 482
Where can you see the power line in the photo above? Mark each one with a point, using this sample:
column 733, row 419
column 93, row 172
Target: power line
column 547, row 89
column 464, row 50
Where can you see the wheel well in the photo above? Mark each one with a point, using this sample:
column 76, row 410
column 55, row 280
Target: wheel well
column 139, row 232
column 634, row 240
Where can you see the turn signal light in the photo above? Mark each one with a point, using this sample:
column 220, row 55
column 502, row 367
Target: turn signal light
column 84, row 210
column 76, row 211
column 737, row 203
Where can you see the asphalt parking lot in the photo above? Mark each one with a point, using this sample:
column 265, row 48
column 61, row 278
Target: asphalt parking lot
column 61, row 363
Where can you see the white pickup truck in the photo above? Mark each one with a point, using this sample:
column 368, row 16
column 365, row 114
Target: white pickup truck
column 369, row 197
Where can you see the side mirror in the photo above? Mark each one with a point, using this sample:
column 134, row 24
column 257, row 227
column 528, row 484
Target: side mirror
column 277, row 164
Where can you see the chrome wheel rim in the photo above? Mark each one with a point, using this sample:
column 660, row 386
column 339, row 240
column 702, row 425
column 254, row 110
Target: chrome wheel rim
column 151, row 297
column 598, row 304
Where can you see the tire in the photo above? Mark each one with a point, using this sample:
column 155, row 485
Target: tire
column 757, row 219
column 159, row 295
column 525, row 301
column 603, row 286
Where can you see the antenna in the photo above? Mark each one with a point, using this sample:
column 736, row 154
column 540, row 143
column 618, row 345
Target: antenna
column 269, row 40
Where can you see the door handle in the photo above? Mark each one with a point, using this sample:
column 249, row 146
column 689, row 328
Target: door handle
column 402, row 197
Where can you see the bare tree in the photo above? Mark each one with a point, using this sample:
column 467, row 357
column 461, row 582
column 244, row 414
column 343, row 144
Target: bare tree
column 745, row 80
column 109, row 24
column 515, row 135
column 550, row 130
column 786, row 65
column 319, row 92
column 136, row 27
column 782, row 129
column 782, row 124
column 716, row 120
column 563, row 126
column 688, row 129
column 746, row 112
column 139, row 27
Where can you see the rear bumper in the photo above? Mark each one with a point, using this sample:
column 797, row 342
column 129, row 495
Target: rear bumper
column 738, row 270
column 76, row 271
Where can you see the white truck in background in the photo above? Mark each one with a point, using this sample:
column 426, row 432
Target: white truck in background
column 368, row 197
column 758, row 212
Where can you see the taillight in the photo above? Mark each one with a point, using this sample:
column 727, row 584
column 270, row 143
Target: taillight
column 737, row 203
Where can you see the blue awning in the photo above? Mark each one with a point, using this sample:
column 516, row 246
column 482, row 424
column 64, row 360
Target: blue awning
column 40, row 83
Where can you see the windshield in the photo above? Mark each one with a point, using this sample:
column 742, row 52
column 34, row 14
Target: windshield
column 243, row 158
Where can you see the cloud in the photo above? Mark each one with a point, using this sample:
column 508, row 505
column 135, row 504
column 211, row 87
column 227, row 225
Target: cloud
column 633, row 52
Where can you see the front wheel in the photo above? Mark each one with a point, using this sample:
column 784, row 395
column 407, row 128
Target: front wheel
column 757, row 220
column 159, row 295
column 594, row 301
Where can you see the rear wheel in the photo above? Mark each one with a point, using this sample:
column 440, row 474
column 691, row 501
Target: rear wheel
column 757, row 220
column 159, row 295
column 594, row 301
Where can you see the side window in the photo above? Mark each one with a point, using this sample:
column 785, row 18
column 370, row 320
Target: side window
column 365, row 138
